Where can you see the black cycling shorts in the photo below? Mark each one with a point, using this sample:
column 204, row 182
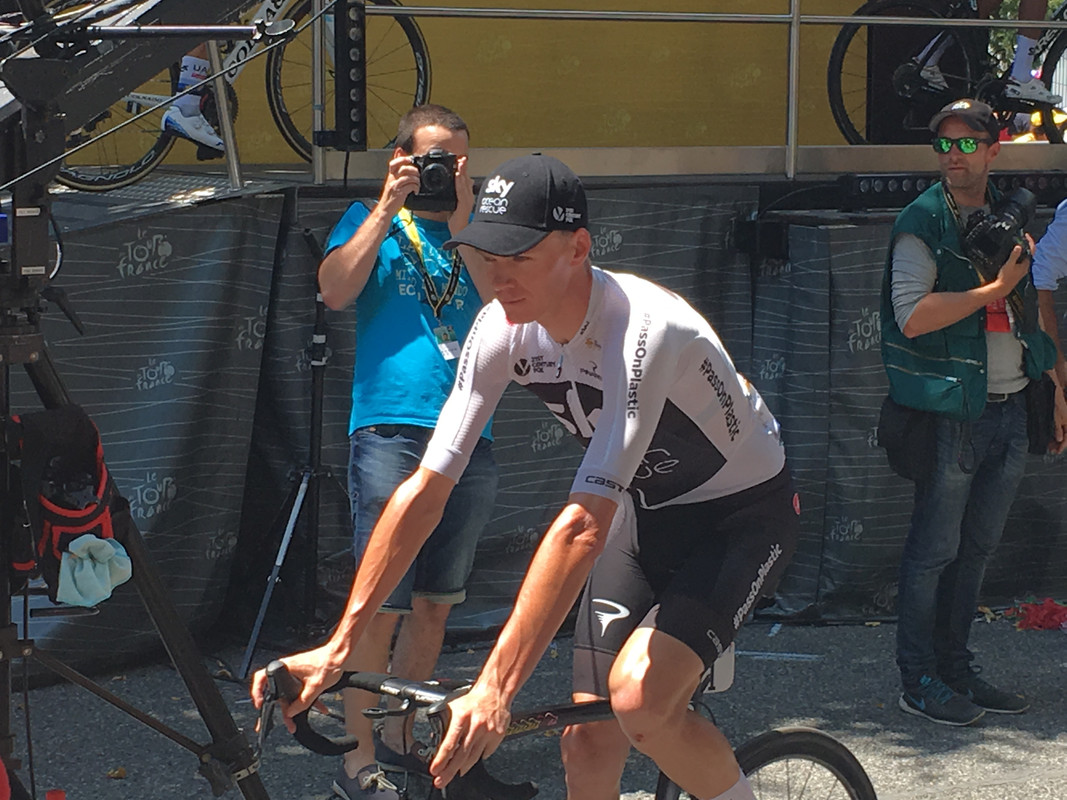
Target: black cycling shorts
column 692, row 571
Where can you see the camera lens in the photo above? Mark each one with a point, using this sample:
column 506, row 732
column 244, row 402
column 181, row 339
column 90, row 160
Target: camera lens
column 435, row 178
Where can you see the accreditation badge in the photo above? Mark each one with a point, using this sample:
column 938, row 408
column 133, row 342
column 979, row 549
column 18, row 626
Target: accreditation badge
column 447, row 342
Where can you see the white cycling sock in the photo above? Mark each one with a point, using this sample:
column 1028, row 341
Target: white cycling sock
column 739, row 791
column 1022, row 68
column 193, row 71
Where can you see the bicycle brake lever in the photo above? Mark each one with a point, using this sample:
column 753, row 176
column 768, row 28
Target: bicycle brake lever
column 405, row 708
column 289, row 688
column 439, row 716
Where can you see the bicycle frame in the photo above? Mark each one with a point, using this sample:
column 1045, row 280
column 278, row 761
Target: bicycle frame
column 268, row 11
column 243, row 52
column 1044, row 42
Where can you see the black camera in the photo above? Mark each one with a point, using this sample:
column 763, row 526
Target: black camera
column 989, row 237
column 437, row 182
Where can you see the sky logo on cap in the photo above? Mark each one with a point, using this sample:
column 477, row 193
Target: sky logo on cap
column 498, row 185
column 494, row 197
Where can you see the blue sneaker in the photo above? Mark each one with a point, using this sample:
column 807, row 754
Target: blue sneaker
column 938, row 703
column 194, row 128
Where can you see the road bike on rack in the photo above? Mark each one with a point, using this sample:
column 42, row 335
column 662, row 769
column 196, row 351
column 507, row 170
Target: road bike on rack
column 398, row 77
column 875, row 76
column 781, row 764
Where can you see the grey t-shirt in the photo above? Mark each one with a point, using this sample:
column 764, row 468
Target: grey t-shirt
column 914, row 275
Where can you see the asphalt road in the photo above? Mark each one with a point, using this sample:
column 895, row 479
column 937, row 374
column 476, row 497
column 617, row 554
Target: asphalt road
column 840, row 679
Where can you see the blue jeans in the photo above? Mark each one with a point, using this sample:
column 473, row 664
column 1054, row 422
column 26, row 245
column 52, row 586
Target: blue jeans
column 380, row 459
column 959, row 516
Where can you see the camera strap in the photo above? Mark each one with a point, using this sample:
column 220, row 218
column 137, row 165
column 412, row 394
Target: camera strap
column 436, row 300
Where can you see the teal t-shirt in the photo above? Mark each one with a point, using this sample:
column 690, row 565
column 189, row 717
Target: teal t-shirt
column 402, row 374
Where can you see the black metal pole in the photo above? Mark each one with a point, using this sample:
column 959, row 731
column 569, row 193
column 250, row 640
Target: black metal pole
column 318, row 370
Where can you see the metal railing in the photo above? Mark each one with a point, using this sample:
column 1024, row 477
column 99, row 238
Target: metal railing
column 794, row 19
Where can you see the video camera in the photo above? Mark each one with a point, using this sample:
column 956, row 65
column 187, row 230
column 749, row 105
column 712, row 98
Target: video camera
column 437, row 182
column 989, row 237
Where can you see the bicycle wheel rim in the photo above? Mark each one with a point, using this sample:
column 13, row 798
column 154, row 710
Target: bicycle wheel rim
column 398, row 77
column 876, row 94
column 802, row 764
column 122, row 156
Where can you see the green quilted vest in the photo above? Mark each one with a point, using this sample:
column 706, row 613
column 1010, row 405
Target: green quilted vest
column 945, row 370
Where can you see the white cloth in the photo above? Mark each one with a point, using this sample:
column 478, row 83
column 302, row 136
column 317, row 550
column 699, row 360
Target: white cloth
column 91, row 568
column 1050, row 255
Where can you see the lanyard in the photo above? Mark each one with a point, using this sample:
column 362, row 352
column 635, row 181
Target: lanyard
column 436, row 300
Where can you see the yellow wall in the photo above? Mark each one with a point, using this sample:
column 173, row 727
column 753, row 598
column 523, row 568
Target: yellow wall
column 552, row 83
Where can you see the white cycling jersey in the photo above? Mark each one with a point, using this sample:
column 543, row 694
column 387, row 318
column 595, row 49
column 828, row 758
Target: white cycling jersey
column 645, row 385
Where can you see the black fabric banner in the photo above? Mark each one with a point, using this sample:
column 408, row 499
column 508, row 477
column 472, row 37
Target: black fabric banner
column 197, row 369
column 174, row 306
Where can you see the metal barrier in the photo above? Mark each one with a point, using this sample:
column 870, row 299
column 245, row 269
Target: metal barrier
column 763, row 160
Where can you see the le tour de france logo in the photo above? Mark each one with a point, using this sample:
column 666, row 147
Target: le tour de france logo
column 865, row 332
column 251, row 329
column 157, row 372
column 147, row 252
column 606, row 242
column 153, row 495
column 548, row 436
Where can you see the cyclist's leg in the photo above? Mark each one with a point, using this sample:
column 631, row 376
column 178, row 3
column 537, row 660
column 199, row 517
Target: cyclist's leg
column 652, row 681
column 184, row 117
column 617, row 596
column 594, row 755
column 737, row 550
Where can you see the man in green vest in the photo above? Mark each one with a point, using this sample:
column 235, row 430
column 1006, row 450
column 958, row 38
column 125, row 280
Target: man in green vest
column 960, row 338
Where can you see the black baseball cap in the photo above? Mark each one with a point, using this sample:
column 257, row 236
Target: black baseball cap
column 521, row 202
column 977, row 115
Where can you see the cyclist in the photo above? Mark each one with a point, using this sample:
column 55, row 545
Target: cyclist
column 683, row 494
column 184, row 117
column 1021, row 83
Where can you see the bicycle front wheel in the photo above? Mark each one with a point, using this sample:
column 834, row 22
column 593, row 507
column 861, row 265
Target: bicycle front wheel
column 398, row 77
column 131, row 149
column 1054, row 76
column 802, row 764
column 875, row 79
column 793, row 764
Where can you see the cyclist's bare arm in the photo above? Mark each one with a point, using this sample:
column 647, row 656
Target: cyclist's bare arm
column 552, row 584
column 406, row 522
column 345, row 269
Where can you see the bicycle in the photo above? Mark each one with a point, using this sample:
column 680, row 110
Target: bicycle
column 398, row 77
column 781, row 764
column 880, row 66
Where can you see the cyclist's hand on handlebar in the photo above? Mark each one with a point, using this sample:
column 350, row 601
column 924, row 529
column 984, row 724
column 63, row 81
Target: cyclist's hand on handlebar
column 314, row 669
column 401, row 180
column 479, row 720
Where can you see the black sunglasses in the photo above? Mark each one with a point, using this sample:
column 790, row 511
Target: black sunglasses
column 966, row 144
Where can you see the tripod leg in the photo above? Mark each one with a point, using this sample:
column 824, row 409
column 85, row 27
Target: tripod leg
column 228, row 744
column 273, row 579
